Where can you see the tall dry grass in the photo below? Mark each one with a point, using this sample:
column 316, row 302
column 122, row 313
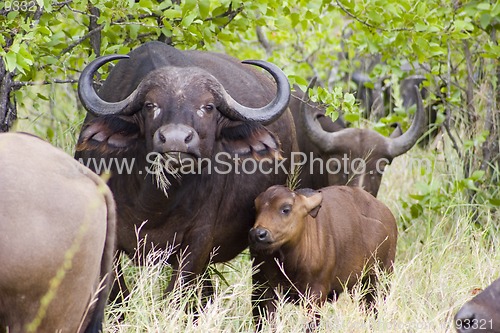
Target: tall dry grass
column 441, row 257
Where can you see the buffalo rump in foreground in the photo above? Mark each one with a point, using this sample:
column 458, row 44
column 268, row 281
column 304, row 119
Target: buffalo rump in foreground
column 186, row 108
column 56, row 239
column 322, row 240
column 482, row 313
column 351, row 156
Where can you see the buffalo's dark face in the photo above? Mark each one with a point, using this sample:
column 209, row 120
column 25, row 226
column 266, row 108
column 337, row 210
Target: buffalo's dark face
column 180, row 112
column 358, row 157
column 357, row 164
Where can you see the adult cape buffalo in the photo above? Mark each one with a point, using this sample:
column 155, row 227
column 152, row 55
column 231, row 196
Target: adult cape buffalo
column 57, row 233
column 349, row 156
column 185, row 107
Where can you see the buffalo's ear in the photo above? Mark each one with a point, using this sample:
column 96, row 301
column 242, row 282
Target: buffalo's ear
column 312, row 200
column 250, row 139
column 398, row 131
column 109, row 134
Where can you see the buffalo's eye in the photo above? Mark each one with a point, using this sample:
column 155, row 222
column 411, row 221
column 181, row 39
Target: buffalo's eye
column 285, row 209
column 152, row 107
column 209, row 107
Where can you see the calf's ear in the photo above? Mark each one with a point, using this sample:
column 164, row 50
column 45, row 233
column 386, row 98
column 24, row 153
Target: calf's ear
column 312, row 200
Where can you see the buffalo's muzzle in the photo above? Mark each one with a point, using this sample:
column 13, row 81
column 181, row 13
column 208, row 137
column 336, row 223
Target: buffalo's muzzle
column 176, row 138
column 259, row 236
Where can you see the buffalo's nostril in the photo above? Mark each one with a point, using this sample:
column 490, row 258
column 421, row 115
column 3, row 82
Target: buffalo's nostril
column 189, row 137
column 260, row 237
column 261, row 234
column 161, row 137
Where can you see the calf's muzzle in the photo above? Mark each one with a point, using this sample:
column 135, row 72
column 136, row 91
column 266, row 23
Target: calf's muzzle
column 259, row 236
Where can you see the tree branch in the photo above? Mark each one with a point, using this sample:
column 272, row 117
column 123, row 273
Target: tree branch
column 95, row 39
column 365, row 22
column 7, row 109
column 469, row 91
column 81, row 39
column 261, row 37
column 20, row 84
column 447, row 120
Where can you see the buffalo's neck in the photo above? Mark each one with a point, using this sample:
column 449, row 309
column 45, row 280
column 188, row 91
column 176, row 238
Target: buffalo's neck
column 308, row 249
column 156, row 205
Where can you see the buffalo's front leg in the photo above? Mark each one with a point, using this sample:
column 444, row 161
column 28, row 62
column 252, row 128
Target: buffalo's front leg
column 190, row 263
column 317, row 296
column 264, row 281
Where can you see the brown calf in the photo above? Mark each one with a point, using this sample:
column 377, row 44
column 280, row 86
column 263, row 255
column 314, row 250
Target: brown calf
column 57, row 231
column 322, row 240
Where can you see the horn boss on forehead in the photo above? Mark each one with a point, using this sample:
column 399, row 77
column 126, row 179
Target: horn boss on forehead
column 267, row 114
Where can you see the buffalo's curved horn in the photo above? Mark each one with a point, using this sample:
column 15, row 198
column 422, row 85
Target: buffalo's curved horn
column 403, row 143
column 88, row 96
column 268, row 113
column 324, row 140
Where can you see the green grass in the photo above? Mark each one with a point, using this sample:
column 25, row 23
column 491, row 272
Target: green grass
column 441, row 256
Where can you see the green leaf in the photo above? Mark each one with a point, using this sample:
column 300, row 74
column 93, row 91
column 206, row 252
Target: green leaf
column 416, row 210
column 484, row 20
column 369, row 85
column 492, row 51
column 351, row 117
column 334, row 115
column 133, row 30
column 294, row 18
column 187, row 20
column 417, row 196
column 282, row 24
column 298, row 80
column 469, row 183
column 50, row 133
column 349, row 98
column 189, row 5
column 495, row 11
column 42, row 96
column 164, row 4
column 11, row 61
column 477, row 175
column 421, row 27
column 12, row 15
column 204, row 7
column 463, row 25
column 494, row 201
column 47, row 5
column 483, row 6
column 224, row 36
column 436, row 50
column 172, row 13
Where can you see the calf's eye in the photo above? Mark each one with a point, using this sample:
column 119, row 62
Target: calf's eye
column 285, row 210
